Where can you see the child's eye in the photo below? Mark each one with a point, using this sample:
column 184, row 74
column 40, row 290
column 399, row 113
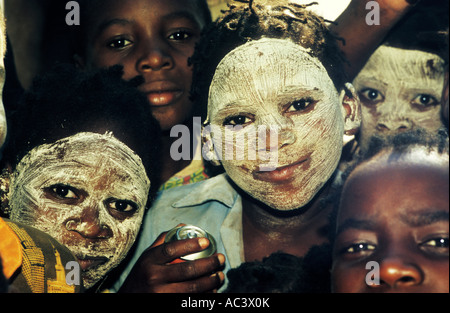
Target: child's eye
column 237, row 120
column 301, row 105
column 63, row 192
column 180, row 35
column 123, row 206
column 437, row 242
column 424, row 100
column 371, row 96
column 437, row 245
column 119, row 43
column 360, row 247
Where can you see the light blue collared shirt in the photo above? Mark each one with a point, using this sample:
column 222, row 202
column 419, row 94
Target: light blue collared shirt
column 212, row 204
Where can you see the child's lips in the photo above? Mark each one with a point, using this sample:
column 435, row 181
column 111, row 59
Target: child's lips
column 161, row 93
column 283, row 173
column 162, row 98
column 89, row 262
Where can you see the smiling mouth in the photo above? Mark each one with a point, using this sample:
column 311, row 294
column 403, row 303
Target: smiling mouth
column 282, row 174
column 88, row 262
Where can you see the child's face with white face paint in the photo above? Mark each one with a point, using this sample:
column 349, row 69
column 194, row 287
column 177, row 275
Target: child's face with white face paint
column 87, row 191
column 276, row 84
column 399, row 90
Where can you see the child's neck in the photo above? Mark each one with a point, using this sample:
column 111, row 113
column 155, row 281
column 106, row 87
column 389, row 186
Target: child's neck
column 169, row 166
column 266, row 232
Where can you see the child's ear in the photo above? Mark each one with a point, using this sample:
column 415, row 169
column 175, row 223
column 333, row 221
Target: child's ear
column 79, row 61
column 351, row 109
column 208, row 151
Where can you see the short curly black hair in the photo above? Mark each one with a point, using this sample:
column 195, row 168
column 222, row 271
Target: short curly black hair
column 65, row 101
column 399, row 143
column 252, row 21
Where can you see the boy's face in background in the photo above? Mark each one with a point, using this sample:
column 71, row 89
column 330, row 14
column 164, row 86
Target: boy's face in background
column 400, row 90
column 154, row 39
column 274, row 83
column 396, row 214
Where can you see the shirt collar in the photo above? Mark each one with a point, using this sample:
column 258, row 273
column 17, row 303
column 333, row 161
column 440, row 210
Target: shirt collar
column 217, row 188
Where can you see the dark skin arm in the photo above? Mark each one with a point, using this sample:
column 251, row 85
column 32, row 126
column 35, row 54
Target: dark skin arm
column 153, row 272
column 361, row 39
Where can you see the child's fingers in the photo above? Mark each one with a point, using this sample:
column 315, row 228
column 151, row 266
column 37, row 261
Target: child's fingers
column 194, row 269
column 167, row 252
column 159, row 241
column 154, row 273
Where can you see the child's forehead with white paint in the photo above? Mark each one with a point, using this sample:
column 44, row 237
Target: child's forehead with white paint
column 87, row 149
column 416, row 68
column 263, row 68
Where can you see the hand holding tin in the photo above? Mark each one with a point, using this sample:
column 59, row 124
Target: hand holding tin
column 155, row 272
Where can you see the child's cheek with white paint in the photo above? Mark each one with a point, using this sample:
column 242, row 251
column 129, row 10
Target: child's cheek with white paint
column 50, row 218
column 114, row 248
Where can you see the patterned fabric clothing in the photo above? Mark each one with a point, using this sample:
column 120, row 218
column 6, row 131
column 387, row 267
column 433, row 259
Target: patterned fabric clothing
column 176, row 181
column 193, row 173
column 35, row 262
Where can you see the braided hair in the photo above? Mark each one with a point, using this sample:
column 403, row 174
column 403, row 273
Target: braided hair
column 251, row 21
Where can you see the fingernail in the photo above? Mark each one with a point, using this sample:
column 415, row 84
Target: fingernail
column 203, row 242
column 221, row 258
column 221, row 276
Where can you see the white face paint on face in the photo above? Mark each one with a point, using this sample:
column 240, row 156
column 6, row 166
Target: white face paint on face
column 399, row 90
column 277, row 84
column 89, row 192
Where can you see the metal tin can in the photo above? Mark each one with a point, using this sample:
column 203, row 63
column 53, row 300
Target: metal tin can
column 188, row 232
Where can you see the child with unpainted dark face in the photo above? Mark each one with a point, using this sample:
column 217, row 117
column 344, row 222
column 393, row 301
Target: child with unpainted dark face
column 394, row 211
column 153, row 39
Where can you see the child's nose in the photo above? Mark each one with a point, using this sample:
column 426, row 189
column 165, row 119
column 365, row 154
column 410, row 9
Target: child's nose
column 154, row 57
column 89, row 225
column 277, row 138
column 394, row 116
column 279, row 132
column 395, row 273
column 396, row 125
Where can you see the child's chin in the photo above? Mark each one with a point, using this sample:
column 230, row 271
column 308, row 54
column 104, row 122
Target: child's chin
column 283, row 205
